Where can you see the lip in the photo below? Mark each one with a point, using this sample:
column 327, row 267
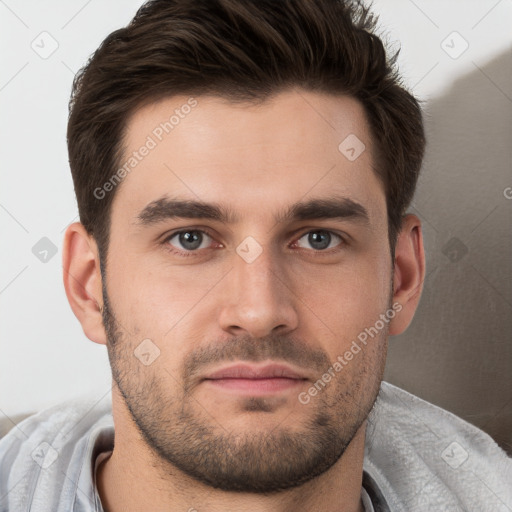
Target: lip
column 252, row 372
column 250, row 380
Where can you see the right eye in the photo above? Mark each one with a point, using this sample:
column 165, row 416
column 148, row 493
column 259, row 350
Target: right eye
column 189, row 240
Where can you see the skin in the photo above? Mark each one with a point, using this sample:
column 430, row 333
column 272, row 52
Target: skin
column 294, row 303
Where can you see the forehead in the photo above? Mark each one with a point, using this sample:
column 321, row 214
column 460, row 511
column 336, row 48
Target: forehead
column 296, row 144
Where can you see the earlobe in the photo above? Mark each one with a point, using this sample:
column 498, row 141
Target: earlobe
column 409, row 273
column 82, row 280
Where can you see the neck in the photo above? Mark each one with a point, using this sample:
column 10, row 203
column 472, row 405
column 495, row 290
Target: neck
column 133, row 478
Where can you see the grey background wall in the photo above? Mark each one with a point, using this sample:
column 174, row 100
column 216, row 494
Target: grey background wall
column 458, row 351
column 456, row 57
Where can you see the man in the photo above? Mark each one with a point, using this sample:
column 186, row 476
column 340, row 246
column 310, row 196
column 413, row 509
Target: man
column 242, row 171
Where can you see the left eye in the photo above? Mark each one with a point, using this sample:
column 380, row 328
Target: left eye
column 190, row 240
column 319, row 240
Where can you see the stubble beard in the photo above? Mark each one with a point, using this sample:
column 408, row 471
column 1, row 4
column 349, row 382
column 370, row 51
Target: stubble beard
column 183, row 436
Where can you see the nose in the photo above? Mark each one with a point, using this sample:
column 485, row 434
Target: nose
column 258, row 300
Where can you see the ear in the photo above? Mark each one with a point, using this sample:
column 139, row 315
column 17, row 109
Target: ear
column 409, row 273
column 82, row 280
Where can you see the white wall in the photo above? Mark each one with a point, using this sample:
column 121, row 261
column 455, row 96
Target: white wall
column 44, row 355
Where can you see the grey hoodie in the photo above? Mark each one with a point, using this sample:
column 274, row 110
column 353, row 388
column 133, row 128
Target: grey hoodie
column 418, row 457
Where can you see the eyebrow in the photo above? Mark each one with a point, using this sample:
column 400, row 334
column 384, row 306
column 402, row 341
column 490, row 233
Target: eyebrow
column 165, row 208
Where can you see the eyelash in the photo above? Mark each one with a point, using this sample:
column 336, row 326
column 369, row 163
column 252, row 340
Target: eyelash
column 187, row 254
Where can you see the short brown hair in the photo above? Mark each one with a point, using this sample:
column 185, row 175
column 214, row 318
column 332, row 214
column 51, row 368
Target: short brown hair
column 242, row 50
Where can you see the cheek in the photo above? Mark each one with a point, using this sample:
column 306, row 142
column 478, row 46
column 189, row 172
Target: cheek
column 348, row 299
column 350, row 292
column 143, row 285
column 154, row 300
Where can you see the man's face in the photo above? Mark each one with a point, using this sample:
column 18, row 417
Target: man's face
column 219, row 326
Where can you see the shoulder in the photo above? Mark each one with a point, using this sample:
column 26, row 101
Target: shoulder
column 426, row 457
column 44, row 452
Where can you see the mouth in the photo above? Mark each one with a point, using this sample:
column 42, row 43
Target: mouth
column 255, row 380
